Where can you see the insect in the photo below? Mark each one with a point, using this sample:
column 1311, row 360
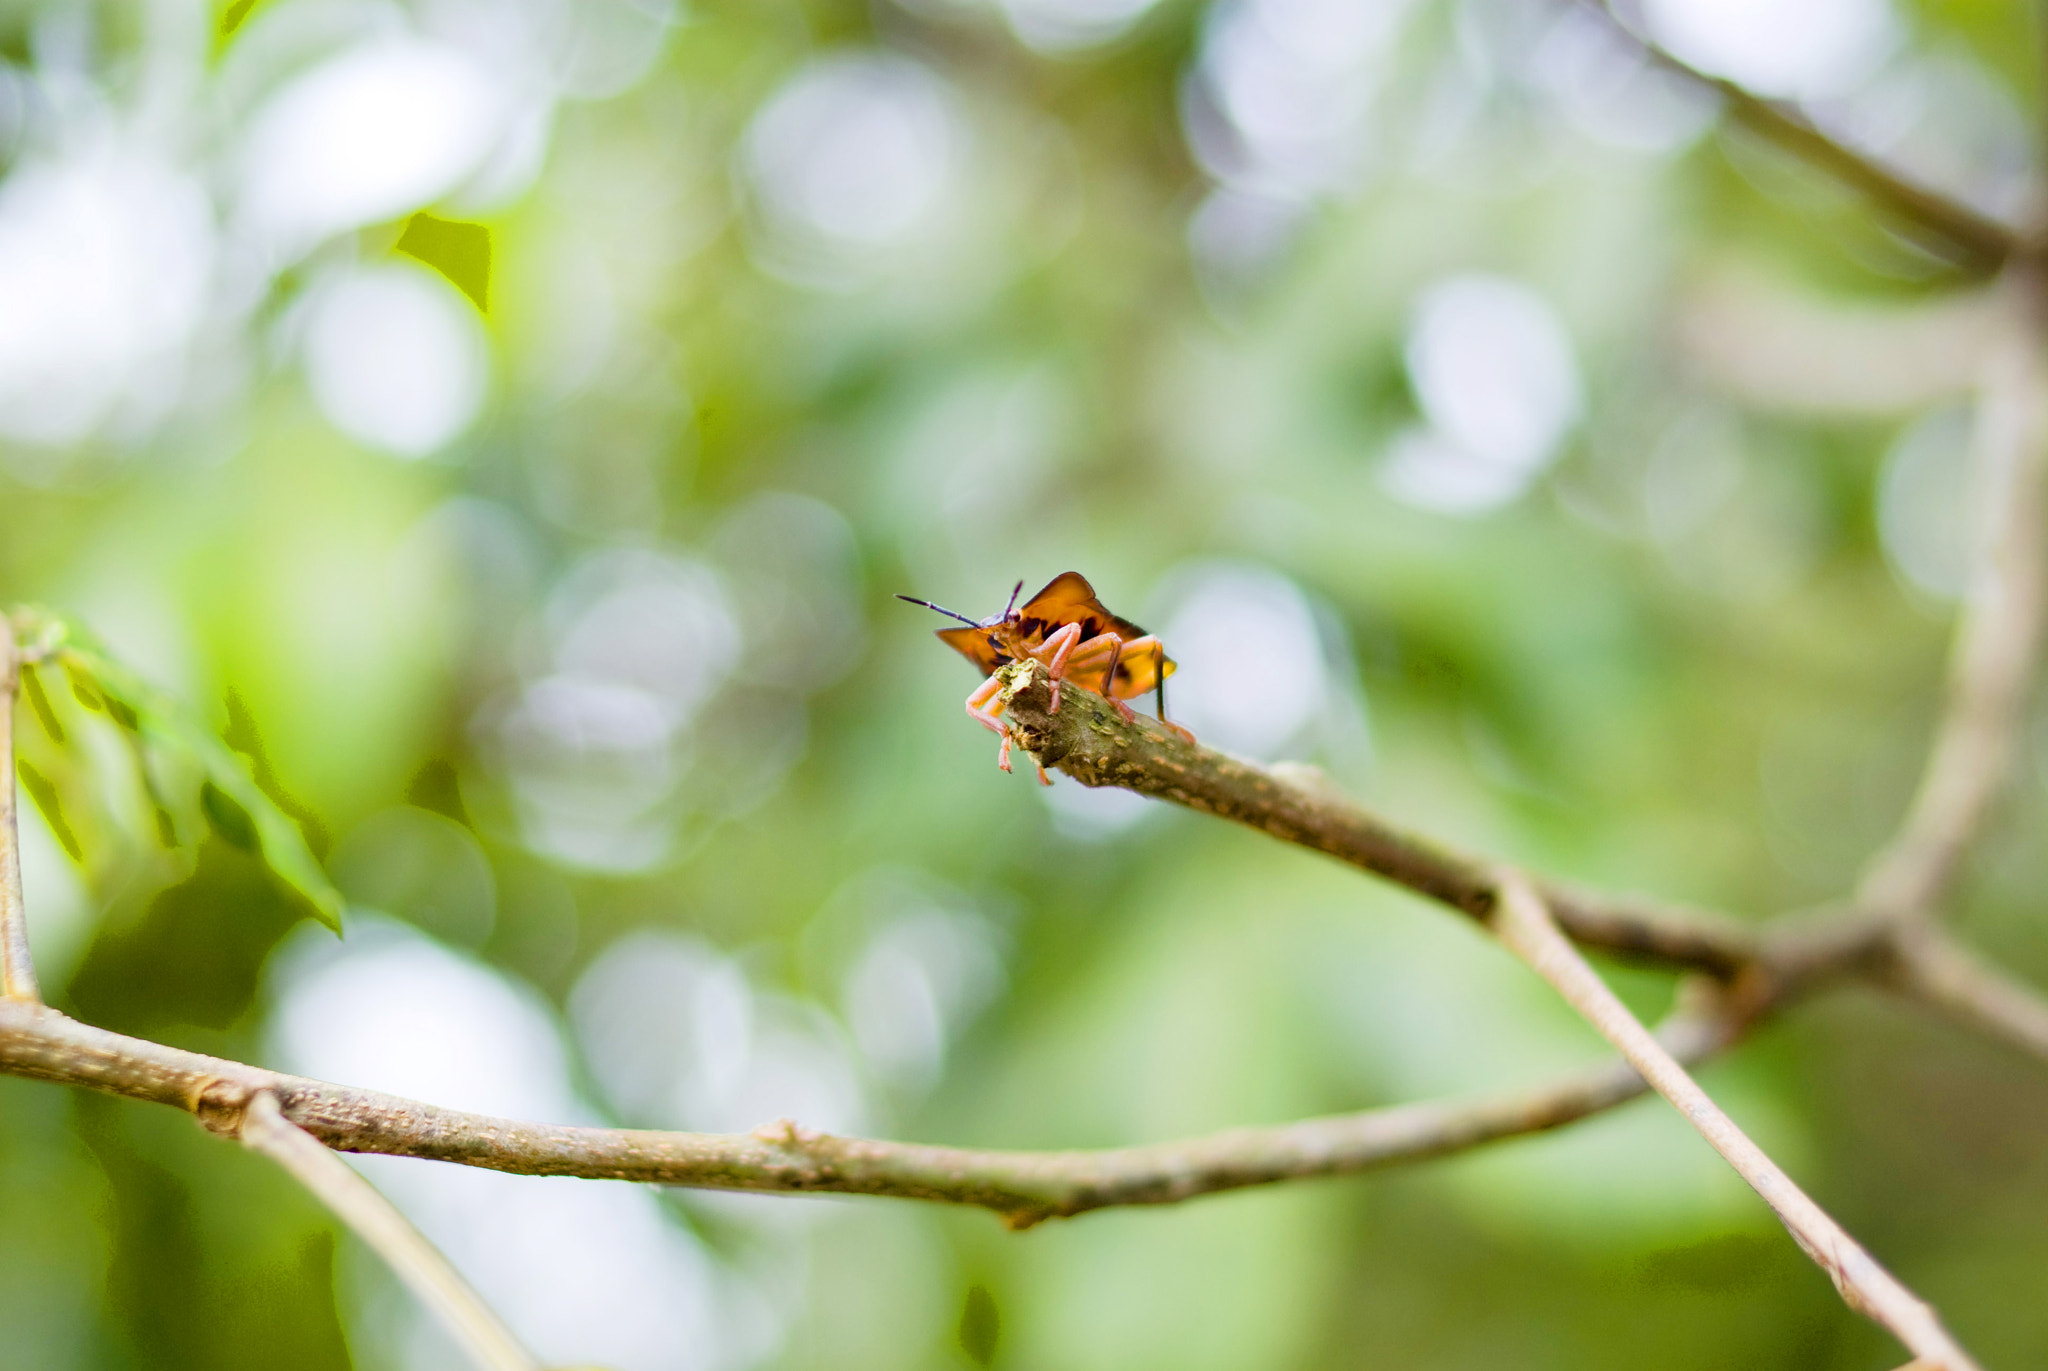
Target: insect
column 1068, row 629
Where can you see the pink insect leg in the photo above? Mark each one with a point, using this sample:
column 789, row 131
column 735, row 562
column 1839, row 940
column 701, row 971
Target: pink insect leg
column 1054, row 652
column 1085, row 657
column 979, row 711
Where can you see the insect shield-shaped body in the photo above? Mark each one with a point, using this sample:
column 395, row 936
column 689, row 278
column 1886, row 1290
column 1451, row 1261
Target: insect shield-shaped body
column 1068, row 629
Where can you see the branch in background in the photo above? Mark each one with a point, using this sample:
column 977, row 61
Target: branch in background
column 1997, row 644
column 1942, row 974
column 17, row 970
column 1971, row 238
column 1768, row 344
column 1525, row 927
column 387, row 1232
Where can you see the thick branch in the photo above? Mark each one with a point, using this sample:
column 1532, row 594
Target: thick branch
column 388, row 1233
column 1526, row 928
column 1090, row 742
column 1973, row 239
column 17, row 970
column 1024, row 1187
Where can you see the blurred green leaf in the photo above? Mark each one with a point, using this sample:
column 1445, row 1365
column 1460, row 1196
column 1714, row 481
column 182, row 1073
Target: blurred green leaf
column 460, row 252
column 225, row 815
column 39, row 701
column 167, row 740
column 229, row 21
column 43, row 791
column 159, row 802
column 981, row 1325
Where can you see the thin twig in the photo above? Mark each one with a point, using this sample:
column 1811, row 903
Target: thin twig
column 1023, row 1187
column 1997, row 643
column 1941, row 973
column 1974, row 239
column 17, row 969
column 1525, row 926
column 388, row 1233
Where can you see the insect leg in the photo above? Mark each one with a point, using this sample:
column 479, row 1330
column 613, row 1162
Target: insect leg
column 979, row 710
column 1054, row 652
column 1109, row 647
column 1116, row 657
column 1159, row 687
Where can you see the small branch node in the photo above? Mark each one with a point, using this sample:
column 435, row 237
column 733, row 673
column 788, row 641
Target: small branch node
column 1018, row 1220
column 786, row 1132
column 221, row 1104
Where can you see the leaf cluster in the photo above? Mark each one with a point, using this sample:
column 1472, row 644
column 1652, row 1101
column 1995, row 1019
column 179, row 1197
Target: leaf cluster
column 125, row 773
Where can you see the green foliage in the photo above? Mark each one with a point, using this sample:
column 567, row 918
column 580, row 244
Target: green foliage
column 461, row 252
column 183, row 771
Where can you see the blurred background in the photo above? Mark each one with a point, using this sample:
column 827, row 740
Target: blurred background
column 509, row 421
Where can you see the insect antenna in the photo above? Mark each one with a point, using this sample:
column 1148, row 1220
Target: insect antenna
column 1015, row 591
column 971, row 623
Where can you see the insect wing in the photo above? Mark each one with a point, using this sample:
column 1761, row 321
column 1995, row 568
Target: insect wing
column 973, row 644
column 1069, row 599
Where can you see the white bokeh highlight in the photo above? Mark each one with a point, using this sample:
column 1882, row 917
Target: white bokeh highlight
column 1926, row 516
column 594, row 745
column 106, row 258
column 653, row 620
column 919, row 979
column 365, row 136
column 1608, row 89
column 1294, row 80
column 1094, row 813
column 1279, row 110
column 1496, row 378
column 395, row 358
column 1253, row 671
column 678, row 1037
column 856, row 156
column 1058, row 26
column 1797, row 49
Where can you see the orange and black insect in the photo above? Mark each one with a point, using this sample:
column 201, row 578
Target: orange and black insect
column 1068, row 629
